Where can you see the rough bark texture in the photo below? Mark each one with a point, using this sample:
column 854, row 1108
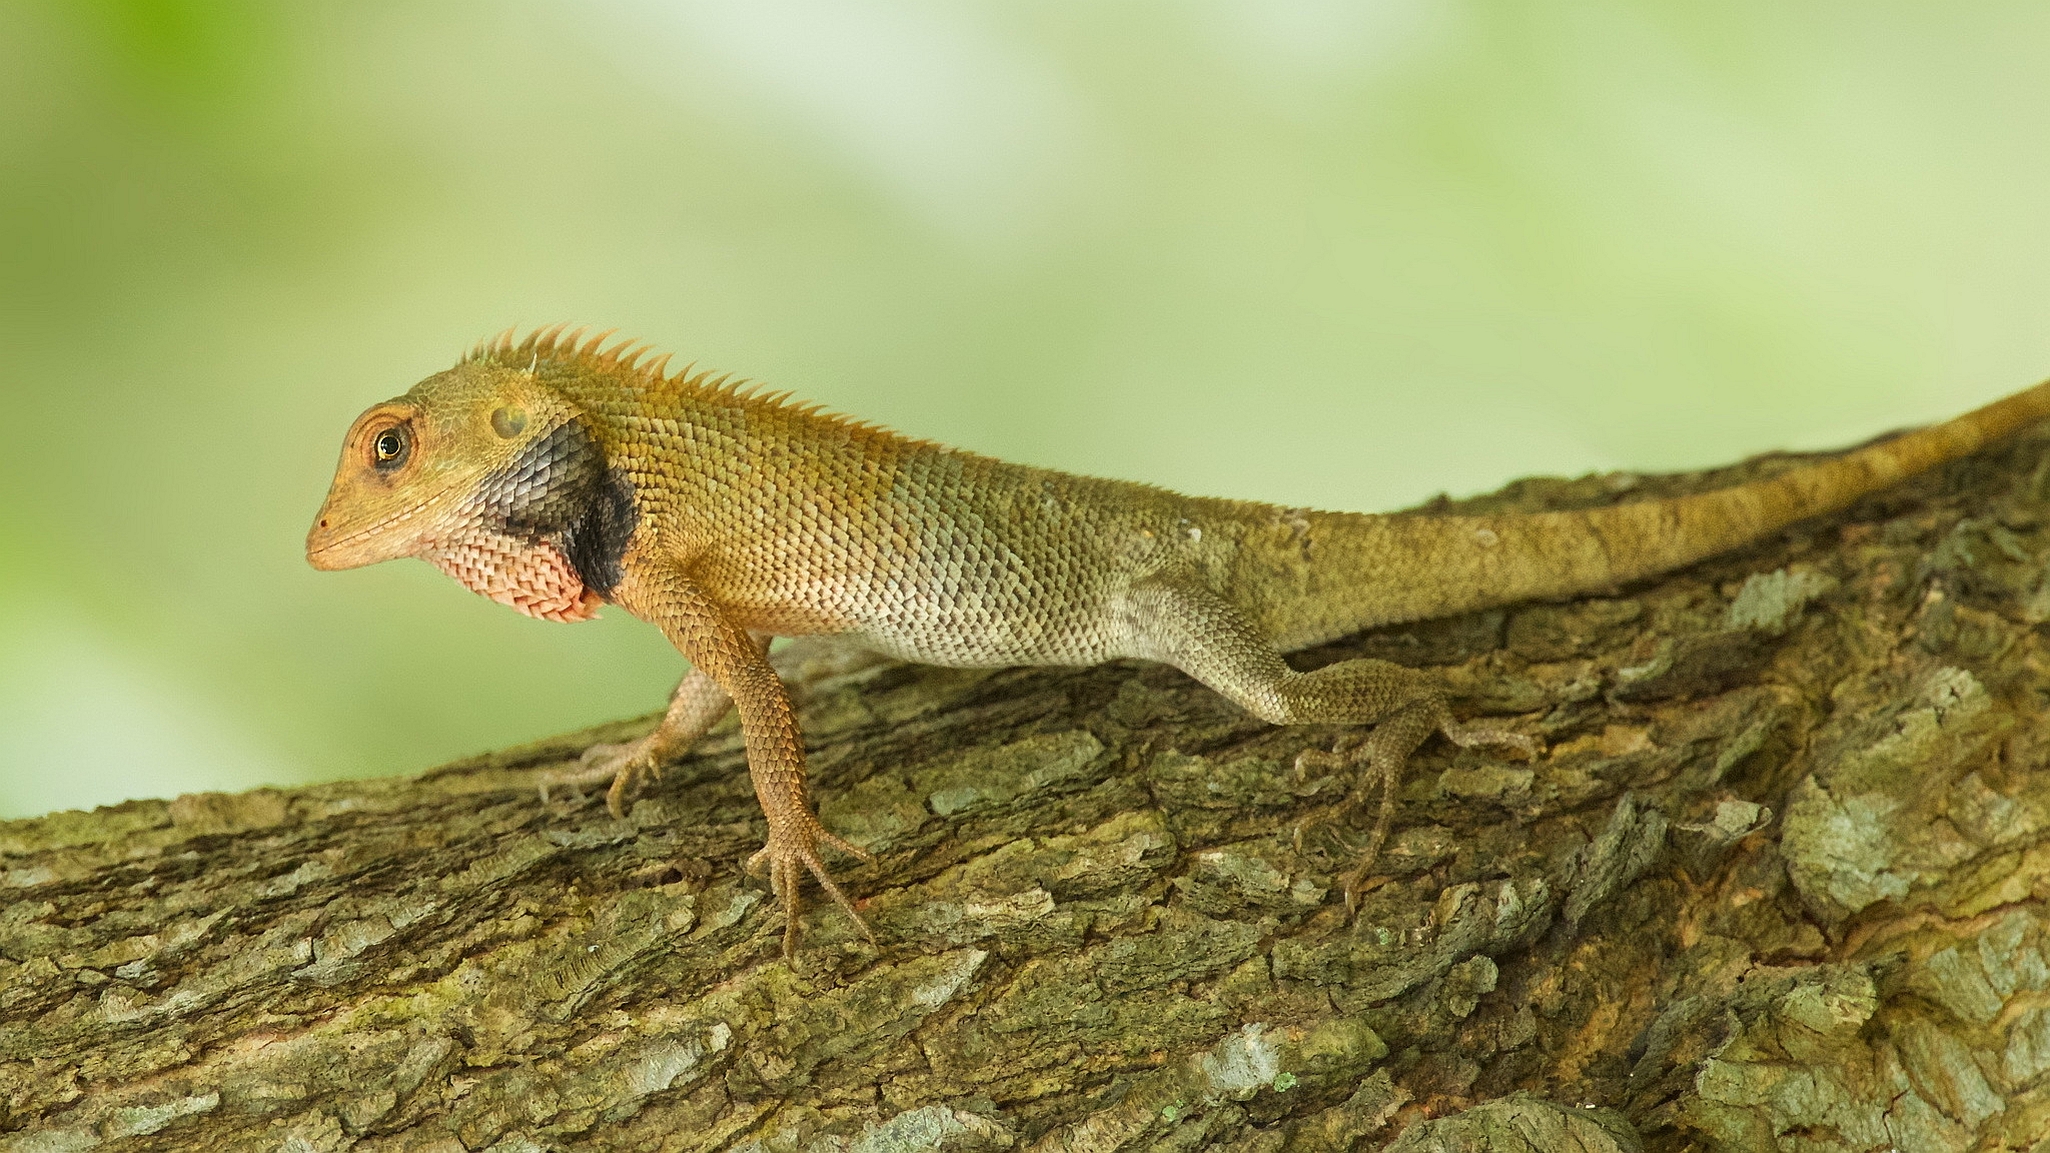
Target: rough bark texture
column 1777, row 883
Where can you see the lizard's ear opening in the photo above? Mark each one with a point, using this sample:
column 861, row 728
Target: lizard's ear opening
column 509, row 421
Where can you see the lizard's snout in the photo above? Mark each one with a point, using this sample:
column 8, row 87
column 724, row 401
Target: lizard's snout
column 322, row 551
column 336, row 542
column 323, row 558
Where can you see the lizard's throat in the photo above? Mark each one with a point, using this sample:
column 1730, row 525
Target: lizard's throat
column 532, row 576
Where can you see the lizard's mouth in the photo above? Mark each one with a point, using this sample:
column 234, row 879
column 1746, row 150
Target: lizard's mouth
column 345, row 546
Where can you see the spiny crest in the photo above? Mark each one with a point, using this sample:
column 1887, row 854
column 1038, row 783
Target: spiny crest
column 560, row 343
column 563, row 346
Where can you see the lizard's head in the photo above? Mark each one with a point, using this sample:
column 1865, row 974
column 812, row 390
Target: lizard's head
column 492, row 477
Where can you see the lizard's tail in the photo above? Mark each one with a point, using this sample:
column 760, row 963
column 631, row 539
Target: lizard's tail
column 1318, row 576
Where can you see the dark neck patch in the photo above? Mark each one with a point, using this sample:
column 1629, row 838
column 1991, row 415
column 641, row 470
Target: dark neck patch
column 561, row 489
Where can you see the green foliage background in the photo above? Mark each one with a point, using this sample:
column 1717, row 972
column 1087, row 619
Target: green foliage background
column 1336, row 253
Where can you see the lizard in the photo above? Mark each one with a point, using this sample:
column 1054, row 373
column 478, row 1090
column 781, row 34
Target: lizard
column 556, row 473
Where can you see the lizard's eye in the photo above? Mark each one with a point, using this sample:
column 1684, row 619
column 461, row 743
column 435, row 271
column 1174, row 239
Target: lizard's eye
column 389, row 450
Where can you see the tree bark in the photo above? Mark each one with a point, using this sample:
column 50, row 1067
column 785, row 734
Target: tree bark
column 1776, row 882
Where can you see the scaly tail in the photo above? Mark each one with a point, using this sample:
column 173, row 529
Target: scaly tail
column 1311, row 577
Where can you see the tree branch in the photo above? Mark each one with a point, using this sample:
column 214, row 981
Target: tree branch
column 1776, row 883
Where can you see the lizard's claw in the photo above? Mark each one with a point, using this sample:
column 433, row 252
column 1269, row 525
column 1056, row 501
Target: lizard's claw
column 625, row 765
column 790, row 854
column 1309, row 763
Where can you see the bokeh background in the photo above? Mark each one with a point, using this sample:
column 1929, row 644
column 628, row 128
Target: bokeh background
column 1346, row 253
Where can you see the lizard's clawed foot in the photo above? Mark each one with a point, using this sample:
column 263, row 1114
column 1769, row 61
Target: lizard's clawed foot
column 790, row 854
column 625, row 765
column 1378, row 761
column 1372, row 771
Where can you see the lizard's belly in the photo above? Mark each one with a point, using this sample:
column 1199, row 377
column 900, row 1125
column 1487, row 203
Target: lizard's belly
column 975, row 652
column 971, row 633
column 957, row 631
column 963, row 601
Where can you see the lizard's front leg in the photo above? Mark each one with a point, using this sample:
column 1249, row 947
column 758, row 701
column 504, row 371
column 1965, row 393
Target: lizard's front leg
column 697, row 704
column 737, row 663
column 1185, row 624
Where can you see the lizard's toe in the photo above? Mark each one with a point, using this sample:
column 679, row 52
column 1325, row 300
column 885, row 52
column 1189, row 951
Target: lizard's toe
column 791, row 854
column 1357, row 755
column 1356, row 883
column 603, row 754
column 1343, row 754
column 584, row 772
column 624, row 765
column 848, row 847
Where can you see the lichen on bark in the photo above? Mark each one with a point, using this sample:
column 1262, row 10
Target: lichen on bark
column 1776, row 882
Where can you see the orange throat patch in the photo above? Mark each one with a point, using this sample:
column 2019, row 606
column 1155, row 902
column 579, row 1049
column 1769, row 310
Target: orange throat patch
column 530, row 576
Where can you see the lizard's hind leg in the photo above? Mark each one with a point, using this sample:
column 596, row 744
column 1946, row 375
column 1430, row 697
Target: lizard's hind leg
column 1186, row 625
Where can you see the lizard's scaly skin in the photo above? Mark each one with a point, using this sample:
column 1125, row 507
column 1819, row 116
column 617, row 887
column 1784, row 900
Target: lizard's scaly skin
column 550, row 473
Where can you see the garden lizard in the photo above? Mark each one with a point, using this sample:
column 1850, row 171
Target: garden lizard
column 554, row 474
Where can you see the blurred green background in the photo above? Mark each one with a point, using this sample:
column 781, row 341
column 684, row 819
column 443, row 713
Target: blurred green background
column 1347, row 254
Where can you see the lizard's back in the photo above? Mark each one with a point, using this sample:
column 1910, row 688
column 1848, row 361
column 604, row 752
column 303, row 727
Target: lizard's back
column 799, row 522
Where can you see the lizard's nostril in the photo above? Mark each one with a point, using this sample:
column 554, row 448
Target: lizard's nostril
column 323, row 524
